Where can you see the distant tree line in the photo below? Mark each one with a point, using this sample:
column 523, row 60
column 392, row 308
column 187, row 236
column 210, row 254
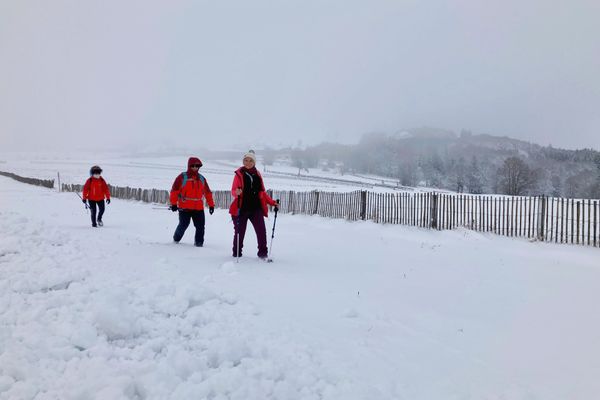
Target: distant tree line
column 463, row 163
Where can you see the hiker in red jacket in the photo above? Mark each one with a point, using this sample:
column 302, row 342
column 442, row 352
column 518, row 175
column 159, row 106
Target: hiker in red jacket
column 187, row 195
column 95, row 191
column 250, row 201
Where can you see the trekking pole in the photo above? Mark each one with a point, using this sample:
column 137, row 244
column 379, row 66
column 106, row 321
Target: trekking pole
column 85, row 204
column 237, row 231
column 269, row 259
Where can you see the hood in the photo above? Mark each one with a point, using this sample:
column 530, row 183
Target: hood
column 192, row 161
column 252, row 170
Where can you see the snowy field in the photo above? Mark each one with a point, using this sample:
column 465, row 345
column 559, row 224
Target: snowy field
column 159, row 172
column 348, row 310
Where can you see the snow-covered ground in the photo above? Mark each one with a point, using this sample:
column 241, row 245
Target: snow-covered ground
column 348, row 310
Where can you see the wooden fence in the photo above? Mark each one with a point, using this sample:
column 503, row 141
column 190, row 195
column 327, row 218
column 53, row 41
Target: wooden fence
column 32, row 181
column 127, row 193
column 542, row 218
column 549, row 219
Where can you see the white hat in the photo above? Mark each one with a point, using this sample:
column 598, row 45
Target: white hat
column 250, row 154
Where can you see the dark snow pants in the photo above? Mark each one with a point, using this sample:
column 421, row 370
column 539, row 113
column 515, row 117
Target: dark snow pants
column 184, row 221
column 100, row 206
column 258, row 222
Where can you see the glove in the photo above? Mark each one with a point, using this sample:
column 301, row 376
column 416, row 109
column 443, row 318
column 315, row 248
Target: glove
column 211, row 210
column 107, row 201
column 84, row 201
column 277, row 206
column 173, row 207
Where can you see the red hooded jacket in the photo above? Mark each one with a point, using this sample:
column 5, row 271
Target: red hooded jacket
column 95, row 189
column 189, row 195
column 238, row 183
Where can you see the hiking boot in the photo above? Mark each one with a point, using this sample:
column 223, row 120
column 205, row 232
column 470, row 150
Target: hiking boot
column 100, row 223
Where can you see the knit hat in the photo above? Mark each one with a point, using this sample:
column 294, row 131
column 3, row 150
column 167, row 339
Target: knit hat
column 95, row 170
column 250, row 154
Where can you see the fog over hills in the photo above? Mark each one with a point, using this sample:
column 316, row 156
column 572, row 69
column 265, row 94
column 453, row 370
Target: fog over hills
column 464, row 162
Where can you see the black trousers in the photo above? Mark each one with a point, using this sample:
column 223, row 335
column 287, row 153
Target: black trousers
column 240, row 222
column 184, row 221
column 100, row 206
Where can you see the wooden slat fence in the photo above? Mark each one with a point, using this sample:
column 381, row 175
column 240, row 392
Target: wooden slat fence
column 549, row 219
column 127, row 193
column 49, row 183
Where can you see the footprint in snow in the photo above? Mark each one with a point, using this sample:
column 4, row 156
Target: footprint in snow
column 350, row 313
column 229, row 267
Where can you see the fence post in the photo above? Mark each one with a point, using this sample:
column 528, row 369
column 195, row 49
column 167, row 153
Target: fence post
column 578, row 215
column 316, row 202
column 433, row 223
column 363, row 205
column 595, row 220
column 541, row 217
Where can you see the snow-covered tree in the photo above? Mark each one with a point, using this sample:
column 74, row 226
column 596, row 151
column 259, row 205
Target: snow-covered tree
column 475, row 177
column 515, row 177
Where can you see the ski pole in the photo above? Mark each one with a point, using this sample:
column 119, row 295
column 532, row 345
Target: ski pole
column 84, row 203
column 273, row 232
column 237, row 230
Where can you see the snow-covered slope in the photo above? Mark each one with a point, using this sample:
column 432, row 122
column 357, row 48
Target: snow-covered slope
column 346, row 311
column 160, row 172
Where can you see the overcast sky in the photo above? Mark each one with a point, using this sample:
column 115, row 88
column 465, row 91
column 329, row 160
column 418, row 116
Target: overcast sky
column 218, row 73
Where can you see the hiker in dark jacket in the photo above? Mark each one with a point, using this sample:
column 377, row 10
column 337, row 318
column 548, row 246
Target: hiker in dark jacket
column 95, row 190
column 187, row 195
column 250, row 201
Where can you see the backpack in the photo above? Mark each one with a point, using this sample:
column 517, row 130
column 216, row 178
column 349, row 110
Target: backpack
column 185, row 179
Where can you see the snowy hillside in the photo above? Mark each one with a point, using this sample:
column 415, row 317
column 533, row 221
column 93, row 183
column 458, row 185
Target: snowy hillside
column 348, row 310
column 159, row 172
